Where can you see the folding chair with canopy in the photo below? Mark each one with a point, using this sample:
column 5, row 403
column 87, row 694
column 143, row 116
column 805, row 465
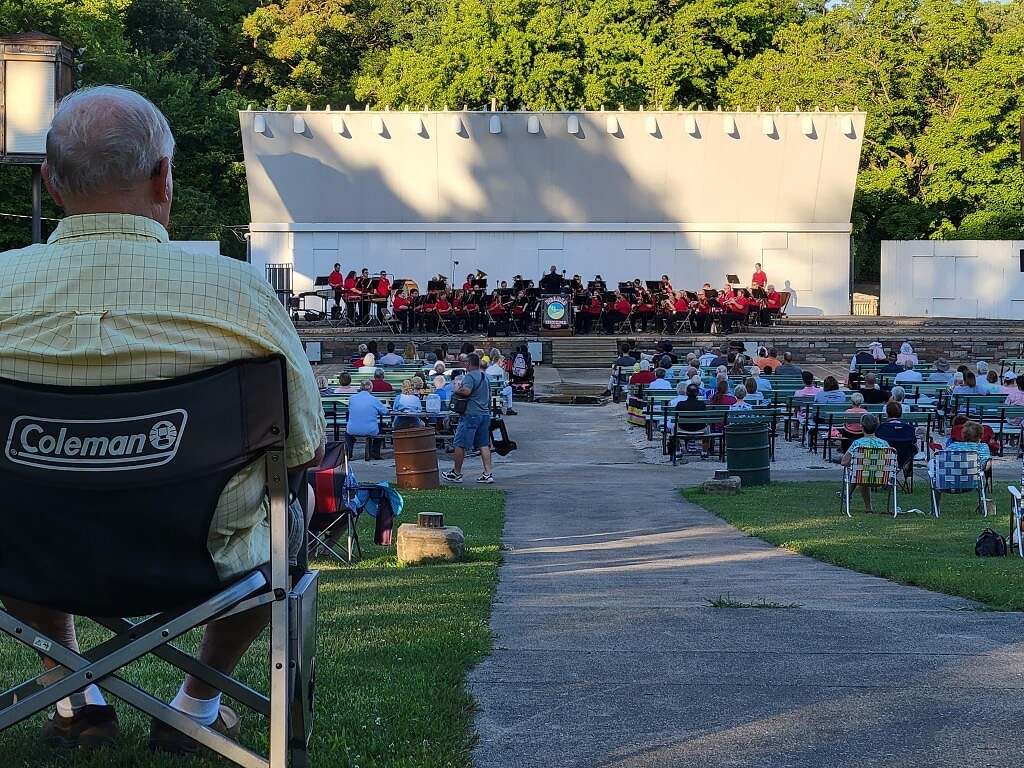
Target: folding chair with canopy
column 872, row 467
column 130, row 476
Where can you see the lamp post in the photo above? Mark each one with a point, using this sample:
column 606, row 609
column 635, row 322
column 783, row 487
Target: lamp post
column 36, row 72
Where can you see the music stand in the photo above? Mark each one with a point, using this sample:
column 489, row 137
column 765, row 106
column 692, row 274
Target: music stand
column 480, row 284
column 321, row 281
column 437, row 285
column 653, row 285
column 732, row 279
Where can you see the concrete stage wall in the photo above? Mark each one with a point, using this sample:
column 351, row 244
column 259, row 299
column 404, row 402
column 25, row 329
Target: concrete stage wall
column 696, row 195
column 952, row 278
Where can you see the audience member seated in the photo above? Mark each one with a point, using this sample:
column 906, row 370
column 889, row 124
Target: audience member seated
column 660, row 382
column 898, row 434
column 809, row 389
column 852, row 429
column 345, row 385
column 891, row 366
column 407, row 403
column 871, row 354
column 722, row 396
column 907, row 354
column 767, row 358
column 869, row 425
column 873, row 395
column 357, row 358
column 941, row 374
column 898, row 394
column 908, row 375
column 369, row 363
column 77, row 318
column 623, row 362
column 391, row 358
column 969, row 386
column 1014, row 388
column 830, row 392
column 788, row 369
column 740, row 394
column 764, row 384
column 379, row 384
column 968, row 438
column 753, row 397
column 992, row 382
column 644, row 375
column 364, row 412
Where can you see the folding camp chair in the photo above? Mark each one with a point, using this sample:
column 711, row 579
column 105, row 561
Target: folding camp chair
column 1016, row 515
column 336, row 509
column 128, row 478
column 873, row 467
column 956, row 472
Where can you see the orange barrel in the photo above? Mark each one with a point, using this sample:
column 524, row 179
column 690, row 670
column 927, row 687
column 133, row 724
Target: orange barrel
column 416, row 458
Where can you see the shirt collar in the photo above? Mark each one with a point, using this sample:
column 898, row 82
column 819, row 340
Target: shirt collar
column 119, row 226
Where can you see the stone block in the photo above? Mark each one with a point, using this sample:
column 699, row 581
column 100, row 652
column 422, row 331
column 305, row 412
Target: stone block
column 730, row 486
column 417, row 544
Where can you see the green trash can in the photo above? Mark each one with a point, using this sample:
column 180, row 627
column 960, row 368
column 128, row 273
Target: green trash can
column 746, row 452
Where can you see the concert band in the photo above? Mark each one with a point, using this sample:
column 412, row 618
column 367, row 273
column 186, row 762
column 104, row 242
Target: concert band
column 638, row 306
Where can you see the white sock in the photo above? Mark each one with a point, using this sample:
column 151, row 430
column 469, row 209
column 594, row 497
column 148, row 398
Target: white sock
column 91, row 695
column 203, row 711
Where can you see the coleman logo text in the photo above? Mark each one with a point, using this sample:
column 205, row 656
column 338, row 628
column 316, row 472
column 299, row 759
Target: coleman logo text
column 102, row 445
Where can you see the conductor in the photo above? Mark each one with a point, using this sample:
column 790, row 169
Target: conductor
column 552, row 281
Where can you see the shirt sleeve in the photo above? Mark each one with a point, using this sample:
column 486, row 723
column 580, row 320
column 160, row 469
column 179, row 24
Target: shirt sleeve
column 306, row 422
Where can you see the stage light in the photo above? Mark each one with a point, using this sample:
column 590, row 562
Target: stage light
column 259, row 124
column 572, row 125
column 612, row 125
column 533, row 124
column 495, row 124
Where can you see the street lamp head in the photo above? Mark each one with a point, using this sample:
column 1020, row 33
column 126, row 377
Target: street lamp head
column 36, row 72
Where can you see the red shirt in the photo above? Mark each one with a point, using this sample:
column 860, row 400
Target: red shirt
column 350, row 285
column 595, row 306
column 623, row 307
column 496, row 308
column 642, row 377
column 399, row 303
column 774, row 300
column 759, row 278
column 681, row 305
column 467, row 286
column 335, row 279
column 379, row 385
column 383, row 287
column 443, row 305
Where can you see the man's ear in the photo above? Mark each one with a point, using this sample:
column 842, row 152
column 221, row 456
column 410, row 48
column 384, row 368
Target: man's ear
column 161, row 181
column 45, row 171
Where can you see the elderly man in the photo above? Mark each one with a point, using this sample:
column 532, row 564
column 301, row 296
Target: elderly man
column 108, row 300
column 788, row 369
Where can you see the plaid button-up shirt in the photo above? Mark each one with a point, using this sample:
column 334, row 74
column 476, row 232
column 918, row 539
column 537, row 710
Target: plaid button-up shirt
column 108, row 300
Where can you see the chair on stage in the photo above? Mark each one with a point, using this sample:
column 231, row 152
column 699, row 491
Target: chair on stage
column 125, row 524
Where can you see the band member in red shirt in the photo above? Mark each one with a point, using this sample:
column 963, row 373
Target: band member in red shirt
column 443, row 308
column 497, row 311
column 704, row 311
column 620, row 309
column 351, row 295
column 468, row 285
column 591, row 312
column 734, row 310
column 771, row 306
column 760, row 279
column 644, row 308
column 337, row 282
column 425, row 311
column 383, row 285
column 471, row 306
column 402, row 307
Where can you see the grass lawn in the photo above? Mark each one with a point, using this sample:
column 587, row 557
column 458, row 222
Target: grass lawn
column 913, row 549
column 395, row 646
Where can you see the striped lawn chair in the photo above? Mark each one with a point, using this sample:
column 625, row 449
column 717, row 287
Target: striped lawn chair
column 872, row 467
column 957, row 472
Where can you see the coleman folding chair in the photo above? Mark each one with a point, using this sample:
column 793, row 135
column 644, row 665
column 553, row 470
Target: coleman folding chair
column 337, row 509
column 98, row 466
column 874, row 468
column 957, row 472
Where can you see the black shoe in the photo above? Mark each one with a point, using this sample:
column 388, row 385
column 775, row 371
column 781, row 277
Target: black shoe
column 92, row 727
column 163, row 738
column 510, row 412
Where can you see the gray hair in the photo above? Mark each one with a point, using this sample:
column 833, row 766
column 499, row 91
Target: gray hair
column 856, row 399
column 367, row 386
column 681, row 387
column 898, row 393
column 378, row 373
column 105, row 139
column 739, row 392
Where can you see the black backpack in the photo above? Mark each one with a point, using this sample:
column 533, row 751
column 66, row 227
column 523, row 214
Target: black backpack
column 990, row 544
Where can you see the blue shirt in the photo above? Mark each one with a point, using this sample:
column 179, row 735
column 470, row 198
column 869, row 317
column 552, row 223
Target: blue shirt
column 835, row 396
column 868, row 442
column 363, row 414
column 979, row 448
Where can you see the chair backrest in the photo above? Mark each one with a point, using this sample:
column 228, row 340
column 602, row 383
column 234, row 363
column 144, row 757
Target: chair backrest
column 872, row 466
column 108, row 492
column 956, row 471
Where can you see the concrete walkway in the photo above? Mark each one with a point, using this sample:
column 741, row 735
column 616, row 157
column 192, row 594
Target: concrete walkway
column 608, row 654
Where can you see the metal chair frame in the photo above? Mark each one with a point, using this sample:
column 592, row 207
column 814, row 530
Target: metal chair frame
column 888, row 475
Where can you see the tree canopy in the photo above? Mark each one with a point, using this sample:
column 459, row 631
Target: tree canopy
column 941, row 81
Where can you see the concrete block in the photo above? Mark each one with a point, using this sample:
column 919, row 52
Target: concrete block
column 729, row 486
column 417, row 544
